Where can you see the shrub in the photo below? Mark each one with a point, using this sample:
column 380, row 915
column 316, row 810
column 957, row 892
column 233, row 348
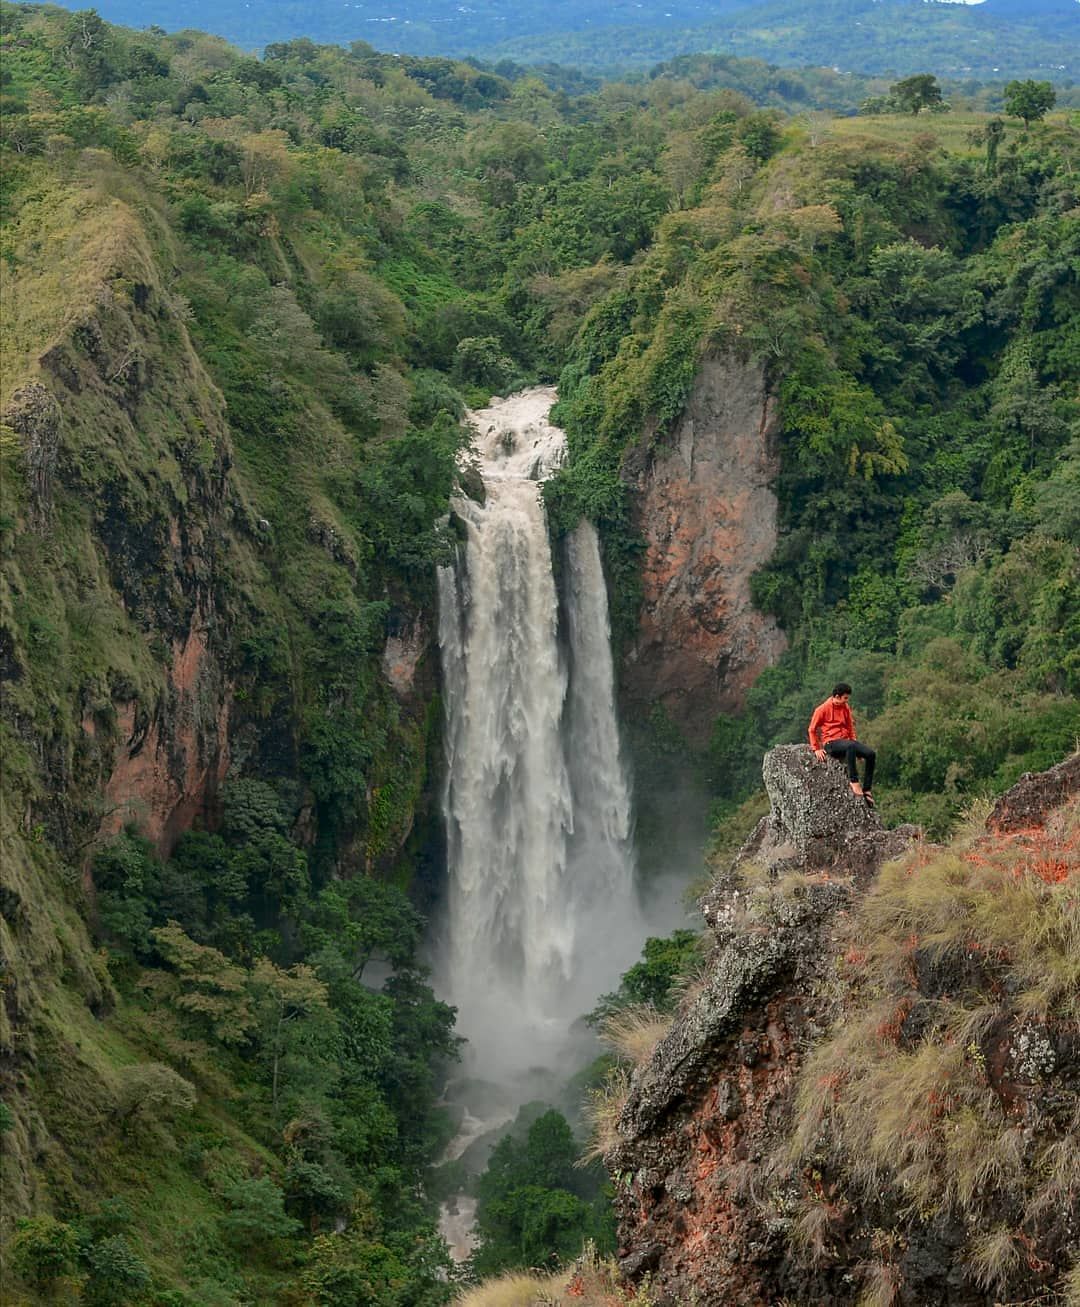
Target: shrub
column 479, row 360
column 152, row 1091
column 256, row 1213
column 118, row 1275
column 44, row 1251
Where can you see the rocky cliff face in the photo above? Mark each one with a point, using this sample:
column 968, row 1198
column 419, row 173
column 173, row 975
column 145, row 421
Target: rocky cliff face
column 741, row 1176
column 706, row 509
column 154, row 636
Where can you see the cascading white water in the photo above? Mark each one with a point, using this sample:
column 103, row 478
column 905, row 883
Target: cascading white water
column 541, row 912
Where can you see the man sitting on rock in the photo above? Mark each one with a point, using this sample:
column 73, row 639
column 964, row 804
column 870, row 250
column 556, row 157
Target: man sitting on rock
column 832, row 734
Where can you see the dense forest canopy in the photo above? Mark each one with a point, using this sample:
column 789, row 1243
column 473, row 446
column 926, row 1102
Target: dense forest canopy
column 267, row 288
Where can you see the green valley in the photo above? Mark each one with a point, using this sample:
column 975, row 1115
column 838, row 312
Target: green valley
column 246, row 303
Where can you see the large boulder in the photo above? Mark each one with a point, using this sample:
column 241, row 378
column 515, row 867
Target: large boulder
column 815, row 823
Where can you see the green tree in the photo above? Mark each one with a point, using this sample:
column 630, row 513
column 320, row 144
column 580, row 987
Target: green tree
column 44, row 1251
column 84, row 43
column 916, row 93
column 205, row 985
column 1029, row 100
column 537, row 1205
column 125, row 872
column 362, row 919
column 118, row 1275
column 294, row 1027
column 350, row 1270
column 256, row 1214
column 760, row 135
column 652, row 980
column 478, row 360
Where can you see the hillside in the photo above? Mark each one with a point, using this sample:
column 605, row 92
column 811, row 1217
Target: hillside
column 897, row 38
column 985, row 41
column 245, row 304
column 871, row 1092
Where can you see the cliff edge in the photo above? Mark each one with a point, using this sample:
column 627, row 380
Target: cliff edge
column 873, row 1094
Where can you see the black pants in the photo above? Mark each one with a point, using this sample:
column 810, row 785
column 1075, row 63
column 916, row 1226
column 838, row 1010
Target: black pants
column 849, row 750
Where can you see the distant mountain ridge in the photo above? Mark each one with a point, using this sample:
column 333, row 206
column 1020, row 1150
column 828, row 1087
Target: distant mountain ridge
column 995, row 39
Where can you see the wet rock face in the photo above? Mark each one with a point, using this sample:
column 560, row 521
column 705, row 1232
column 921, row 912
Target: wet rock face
column 708, row 515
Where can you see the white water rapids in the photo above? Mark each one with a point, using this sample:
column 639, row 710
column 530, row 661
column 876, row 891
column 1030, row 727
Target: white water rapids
column 542, row 915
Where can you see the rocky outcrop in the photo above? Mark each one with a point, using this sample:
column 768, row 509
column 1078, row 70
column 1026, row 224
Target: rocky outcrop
column 703, row 1112
column 704, row 503
column 1035, row 795
column 172, row 754
column 815, row 823
column 712, row 1204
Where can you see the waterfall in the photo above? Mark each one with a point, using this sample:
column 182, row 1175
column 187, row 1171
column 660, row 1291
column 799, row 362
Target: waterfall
column 541, row 908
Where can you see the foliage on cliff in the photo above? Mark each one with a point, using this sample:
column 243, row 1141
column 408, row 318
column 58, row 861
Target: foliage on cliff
column 915, row 301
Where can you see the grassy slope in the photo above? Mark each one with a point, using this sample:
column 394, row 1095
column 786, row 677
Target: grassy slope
column 67, row 1036
column 945, row 1090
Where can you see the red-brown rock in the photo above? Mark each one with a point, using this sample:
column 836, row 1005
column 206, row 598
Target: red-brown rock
column 706, row 508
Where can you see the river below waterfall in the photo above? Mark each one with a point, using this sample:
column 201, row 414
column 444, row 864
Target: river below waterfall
column 541, row 912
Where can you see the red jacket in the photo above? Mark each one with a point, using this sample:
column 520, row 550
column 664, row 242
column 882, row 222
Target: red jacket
column 831, row 721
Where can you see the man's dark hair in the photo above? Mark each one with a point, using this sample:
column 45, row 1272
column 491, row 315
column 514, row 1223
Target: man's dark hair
column 841, row 687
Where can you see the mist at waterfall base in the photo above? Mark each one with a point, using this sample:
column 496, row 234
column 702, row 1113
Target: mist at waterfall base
column 542, row 913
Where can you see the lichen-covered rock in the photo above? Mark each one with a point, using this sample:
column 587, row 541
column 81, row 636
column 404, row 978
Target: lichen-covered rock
column 1034, row 795
column 815, row 824
column 771, row 945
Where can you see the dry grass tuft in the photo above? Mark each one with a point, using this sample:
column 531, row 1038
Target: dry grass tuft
column 956, row 949
column 633, row 1032
column 603, row 1107
column 812, row 1229
column 994, row 1256
column 881, row 1285
column 688, row 986
column 589, row 1282
column 516, row 1289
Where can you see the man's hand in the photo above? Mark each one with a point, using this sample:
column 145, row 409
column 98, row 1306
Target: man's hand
column 820, row 755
